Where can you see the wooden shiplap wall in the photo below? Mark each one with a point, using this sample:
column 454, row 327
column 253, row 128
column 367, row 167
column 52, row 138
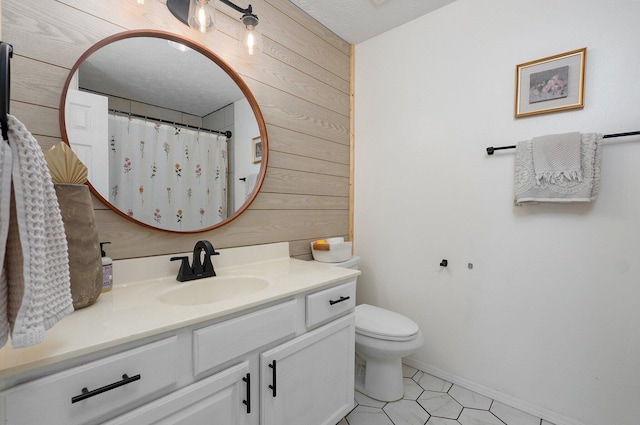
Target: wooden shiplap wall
column 301, row 82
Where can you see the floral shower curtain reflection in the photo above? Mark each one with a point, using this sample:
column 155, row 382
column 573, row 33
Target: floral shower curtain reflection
column 167, row 176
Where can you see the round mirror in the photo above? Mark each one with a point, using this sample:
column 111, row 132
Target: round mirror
column 172, row 137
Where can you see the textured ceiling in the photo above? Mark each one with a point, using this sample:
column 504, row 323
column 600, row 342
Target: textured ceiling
column 152, row 70
column 359, row 20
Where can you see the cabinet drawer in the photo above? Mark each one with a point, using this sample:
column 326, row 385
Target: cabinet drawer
column 330, row 303
column 48, row 400
column 224, row 341
column 218, row 399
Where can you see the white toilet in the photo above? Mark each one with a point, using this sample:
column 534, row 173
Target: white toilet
column 382, row 339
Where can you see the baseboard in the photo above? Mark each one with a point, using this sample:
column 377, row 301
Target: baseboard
column 516, row 403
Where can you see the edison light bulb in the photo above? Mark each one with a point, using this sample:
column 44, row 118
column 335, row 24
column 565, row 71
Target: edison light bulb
column 201, row 15
column 251, row 40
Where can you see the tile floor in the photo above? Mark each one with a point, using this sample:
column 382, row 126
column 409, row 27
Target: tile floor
column 432, row 401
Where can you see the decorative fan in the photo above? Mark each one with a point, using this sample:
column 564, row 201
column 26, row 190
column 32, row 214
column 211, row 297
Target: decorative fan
column 65, row 167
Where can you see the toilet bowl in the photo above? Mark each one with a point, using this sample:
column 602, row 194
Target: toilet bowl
column 383, row 337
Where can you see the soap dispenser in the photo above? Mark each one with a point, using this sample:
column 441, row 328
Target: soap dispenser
column 107, row 269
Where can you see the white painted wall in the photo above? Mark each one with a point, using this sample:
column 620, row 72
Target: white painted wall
column 549, row 316
column 241, row 121
column 246, row 129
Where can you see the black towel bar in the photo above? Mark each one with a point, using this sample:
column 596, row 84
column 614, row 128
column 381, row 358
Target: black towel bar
column 492, row 149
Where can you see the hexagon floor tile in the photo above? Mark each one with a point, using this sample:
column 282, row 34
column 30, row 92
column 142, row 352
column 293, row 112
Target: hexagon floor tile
column 429, row 400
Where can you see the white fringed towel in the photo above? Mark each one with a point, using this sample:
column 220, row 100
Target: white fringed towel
column 529, row 189
column 251, row 181
column 557, row 157
column 35, row 290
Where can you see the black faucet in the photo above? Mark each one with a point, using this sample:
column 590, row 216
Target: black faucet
column 202, row 266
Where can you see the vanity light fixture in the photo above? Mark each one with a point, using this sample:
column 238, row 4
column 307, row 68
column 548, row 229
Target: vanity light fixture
column 199, row 14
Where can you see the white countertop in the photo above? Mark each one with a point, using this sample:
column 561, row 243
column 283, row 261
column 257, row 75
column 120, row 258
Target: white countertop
column 132, row 309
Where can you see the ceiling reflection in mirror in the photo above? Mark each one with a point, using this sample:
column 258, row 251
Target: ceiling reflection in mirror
column 172, row 136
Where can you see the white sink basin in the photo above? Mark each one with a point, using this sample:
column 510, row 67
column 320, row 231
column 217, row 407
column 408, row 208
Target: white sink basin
column 213, row 289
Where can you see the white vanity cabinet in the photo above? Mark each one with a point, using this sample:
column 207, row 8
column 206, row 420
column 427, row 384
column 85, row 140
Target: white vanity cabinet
column 306, row 380
column 309, row 380
column 289, row 362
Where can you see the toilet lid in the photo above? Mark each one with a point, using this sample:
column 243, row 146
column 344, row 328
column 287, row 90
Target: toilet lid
column 379, row 323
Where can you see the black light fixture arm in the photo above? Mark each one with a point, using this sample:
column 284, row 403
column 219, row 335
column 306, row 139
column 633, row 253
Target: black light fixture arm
column 248, row 10
column 180, row 9
column 249, row 19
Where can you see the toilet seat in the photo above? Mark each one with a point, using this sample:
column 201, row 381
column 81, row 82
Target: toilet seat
column 376, row 322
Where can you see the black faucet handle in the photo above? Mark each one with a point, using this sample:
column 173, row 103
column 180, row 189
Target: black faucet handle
column 185, row 269
column 207, row 247
column 202, row 265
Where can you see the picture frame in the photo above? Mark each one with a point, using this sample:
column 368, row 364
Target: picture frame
column 551, row 84
column 256, row 149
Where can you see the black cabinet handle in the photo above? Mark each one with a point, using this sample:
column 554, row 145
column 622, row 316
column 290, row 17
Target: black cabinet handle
column 272, row 365
column 332, row 302
column 86, row 393
column 247, row 402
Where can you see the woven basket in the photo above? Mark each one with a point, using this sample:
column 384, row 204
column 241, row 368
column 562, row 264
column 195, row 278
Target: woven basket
column 85, row 263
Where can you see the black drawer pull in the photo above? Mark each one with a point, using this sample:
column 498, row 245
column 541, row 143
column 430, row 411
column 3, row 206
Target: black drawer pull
column 86, row 393
column 247, row 402
column 332, row 302
column 272, row 365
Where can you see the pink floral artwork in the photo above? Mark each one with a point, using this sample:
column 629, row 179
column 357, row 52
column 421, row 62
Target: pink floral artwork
column 549, row 84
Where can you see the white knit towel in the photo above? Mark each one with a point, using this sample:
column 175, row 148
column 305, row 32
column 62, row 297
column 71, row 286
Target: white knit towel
column 35, row 290
column 557, row 157
column 527, row 189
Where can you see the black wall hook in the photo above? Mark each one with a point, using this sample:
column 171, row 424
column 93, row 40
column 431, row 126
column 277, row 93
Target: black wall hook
column 444, row 263
column 6, row 53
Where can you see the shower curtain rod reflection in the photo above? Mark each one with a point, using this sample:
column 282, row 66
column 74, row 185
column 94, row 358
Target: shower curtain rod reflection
column 492, row 149
column 228, row 134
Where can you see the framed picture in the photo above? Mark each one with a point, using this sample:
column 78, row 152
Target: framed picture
column 551, row 84
column 256, row 148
